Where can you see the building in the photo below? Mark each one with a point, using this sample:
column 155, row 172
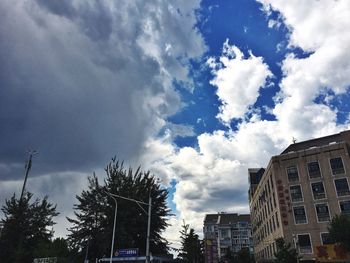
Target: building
column 298, row 193
column 224, row 232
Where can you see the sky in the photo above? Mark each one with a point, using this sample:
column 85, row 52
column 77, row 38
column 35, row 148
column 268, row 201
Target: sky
column 195, row 91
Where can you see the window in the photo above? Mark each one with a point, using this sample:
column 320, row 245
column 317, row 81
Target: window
column 299, row 215
column 271, row 181
column 322, row 212
column 325, row 239
column 304, row 242
column 277, row 222
column 314, row 170
column 318, row 190
column 224, row 233
column 345, row 207
column 342, row 187
column 292, row 173
column 337, row 166
column 296, row 193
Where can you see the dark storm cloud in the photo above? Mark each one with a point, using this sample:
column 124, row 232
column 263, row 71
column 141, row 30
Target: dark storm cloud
column 77, row 85
column 59, row 7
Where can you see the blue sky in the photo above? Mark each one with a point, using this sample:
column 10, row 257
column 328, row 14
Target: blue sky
column 195, row 91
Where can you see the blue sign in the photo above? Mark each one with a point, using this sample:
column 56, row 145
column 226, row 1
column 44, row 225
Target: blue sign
column 127, row 252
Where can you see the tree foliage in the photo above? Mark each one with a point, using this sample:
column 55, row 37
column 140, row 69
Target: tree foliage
column 242, row 256
column 191, row 247
column 26, row 225
column 285, row 253
column 52, row 248
column 339, row 230
column 94, row 213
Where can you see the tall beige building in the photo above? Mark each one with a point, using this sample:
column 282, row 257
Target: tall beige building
column 298, row 193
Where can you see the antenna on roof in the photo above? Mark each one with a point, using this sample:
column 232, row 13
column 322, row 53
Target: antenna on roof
column 294, row 140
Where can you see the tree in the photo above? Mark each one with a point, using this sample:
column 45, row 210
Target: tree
column 339, row 230
column 26, row 225
column 52, row 248
column 285, row 253
column 243, row 256
column 191, row 247
column 93, row 225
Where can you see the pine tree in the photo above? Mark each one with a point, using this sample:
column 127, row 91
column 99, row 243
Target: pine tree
column 26, row 225
column 89, row 228
column 191, row 247
column 95, row 213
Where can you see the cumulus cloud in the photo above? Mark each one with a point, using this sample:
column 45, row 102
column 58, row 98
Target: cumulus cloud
column 238, row 80
column 213, row 176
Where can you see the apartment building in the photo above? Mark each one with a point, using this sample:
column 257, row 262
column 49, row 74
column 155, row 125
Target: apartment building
column 224, row 232
column 298, row 193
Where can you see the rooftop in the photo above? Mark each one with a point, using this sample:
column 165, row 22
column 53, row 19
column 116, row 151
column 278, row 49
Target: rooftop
column 226, row 218
column 318, row 142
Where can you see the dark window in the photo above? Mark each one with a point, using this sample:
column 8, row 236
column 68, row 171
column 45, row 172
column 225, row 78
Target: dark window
column 345, row 207
column 342, row 187
column 299, row 215
column 314, row 170
column 271, row 181
column 277, row 222
column 292, row 173
column 337, row 166
column 322, row 212
column 296, row 193
column 318, row 190
column 304, row 244
column 325, row 238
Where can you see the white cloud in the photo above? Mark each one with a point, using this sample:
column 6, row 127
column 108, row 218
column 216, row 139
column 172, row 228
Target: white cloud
column 213, row 176
column 238, row 81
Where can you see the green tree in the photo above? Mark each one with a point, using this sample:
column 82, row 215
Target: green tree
column 26, row 225
column 243, row 256
column 93, row 225
column 339, row 230
column 52, row 248
column 285, row 253
column 191, row 247
column 89, row 230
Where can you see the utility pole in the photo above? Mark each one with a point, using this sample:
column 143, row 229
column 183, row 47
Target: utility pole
column 148, row 229
column 115, row 221
column 139, row 203
column 27, row 167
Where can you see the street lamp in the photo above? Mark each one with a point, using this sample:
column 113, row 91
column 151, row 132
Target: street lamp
column 115, row 220
column 148, row 221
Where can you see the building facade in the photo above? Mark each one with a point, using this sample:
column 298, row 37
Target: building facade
column 226, row 233
column 298, row 193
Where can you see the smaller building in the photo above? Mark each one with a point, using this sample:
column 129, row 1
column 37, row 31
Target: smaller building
column 226, row 233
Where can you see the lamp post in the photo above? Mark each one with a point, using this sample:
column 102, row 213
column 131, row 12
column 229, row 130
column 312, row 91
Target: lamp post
column 148, row 221
column 115, row 220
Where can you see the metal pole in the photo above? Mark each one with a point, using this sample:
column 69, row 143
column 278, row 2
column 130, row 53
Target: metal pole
column 87, row 252
column 28, row 166
column 148, row 230
column 115, row 220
